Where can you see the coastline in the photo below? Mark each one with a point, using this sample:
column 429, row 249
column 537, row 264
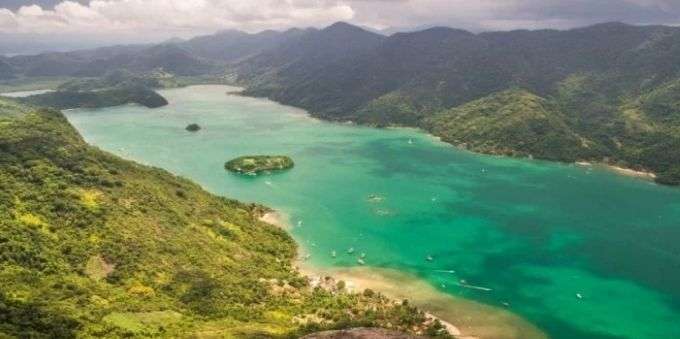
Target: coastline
column 612, row 168
column 619, row 170
column 463, row 318
column 276, row 218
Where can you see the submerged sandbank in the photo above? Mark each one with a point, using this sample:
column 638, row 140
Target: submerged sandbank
column 466, row 318
column 463, row 318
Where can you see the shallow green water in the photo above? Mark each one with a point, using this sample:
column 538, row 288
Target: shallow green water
column 535, row 233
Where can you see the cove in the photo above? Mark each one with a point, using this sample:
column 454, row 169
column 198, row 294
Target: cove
column 580, row 252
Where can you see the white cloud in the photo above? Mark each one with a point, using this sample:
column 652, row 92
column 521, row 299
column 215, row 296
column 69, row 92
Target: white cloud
column 171, row 17
column 137, row 20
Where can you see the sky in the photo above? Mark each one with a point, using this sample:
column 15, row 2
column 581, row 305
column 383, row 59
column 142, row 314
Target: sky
column 87, row 22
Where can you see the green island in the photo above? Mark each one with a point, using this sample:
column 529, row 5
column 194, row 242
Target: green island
column 92, row 245
column 193, row 128
column 259, row 163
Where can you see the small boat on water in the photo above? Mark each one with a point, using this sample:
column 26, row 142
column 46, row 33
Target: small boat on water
column 445, row 271
column 429, row 258
column 361, row 262
column 363, row 255
column 333, row 254
column 579, row 296
column 374, row 198
column 463, row 283
column 299, row 223
column 350, row 250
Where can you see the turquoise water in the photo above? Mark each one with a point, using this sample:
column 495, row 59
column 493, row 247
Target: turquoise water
column 532, row 234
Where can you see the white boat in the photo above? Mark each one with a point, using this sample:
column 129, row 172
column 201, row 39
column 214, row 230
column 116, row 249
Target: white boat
column 363, row 255
column 333, row 254
column 350, row 250
column 361, row 262
column 429, row 258
column 579, row 295
column 463, row 283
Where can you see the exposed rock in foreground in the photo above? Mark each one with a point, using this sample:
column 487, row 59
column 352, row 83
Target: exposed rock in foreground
column 361, row 333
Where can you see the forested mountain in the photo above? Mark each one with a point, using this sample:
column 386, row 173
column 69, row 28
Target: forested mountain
column 595, row 85
column 611, row 86
column 233, row 46
column 93, row 63
column 95, row 246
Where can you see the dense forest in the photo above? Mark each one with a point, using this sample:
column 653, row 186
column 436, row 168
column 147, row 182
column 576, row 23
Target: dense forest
column 604, row 93
column 95, row 246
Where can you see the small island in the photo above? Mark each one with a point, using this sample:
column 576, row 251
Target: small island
column 253, row 164
column 193, row 128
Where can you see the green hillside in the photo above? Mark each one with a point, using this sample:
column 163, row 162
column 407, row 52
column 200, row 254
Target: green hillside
column 605, row 93
column 114, row 96
column 95, row 246
column 513, row 122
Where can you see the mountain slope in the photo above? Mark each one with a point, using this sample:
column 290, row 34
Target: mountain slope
column 91, row 63
column 95, row 246
column 513, row 122
column 233, row 46
column 605, row 89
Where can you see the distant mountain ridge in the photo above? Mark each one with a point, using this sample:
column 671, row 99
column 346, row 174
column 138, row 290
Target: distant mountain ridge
column 606, row 84
column 593, row 82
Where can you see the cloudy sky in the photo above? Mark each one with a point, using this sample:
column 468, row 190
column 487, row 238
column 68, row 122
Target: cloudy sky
column 120, row 21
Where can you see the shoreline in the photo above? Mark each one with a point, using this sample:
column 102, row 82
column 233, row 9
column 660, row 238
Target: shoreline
column 613, row 168
column 463, row 318
column 276, row 218
column 618, row 170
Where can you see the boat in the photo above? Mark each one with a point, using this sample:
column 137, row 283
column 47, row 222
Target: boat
column 350, row 250
column 463, row 283
column 445, row 271
column 579, row 295
column 333, row 254
column 410, row 141
column 363, row 255
column 299, row 223
column 429, row 258
column 361, row 262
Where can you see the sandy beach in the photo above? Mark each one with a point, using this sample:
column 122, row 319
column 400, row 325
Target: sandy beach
column 620, row 170
column 276, row 218
column 632, row 173
column 464, row 319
